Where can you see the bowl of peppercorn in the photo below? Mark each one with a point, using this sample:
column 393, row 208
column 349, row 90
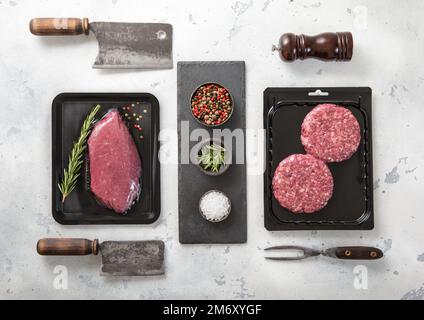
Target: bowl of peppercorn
column 211, row 104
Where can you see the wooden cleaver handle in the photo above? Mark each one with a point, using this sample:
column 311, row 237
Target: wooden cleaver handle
column 67, row 247
column 58, row 26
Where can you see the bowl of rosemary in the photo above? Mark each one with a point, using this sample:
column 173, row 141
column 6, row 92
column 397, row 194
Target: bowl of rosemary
column 213, row 158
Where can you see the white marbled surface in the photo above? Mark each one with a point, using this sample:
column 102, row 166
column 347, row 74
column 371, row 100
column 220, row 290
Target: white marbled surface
column 388, row 57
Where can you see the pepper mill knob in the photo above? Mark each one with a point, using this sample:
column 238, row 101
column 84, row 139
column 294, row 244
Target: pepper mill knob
column 327, row 46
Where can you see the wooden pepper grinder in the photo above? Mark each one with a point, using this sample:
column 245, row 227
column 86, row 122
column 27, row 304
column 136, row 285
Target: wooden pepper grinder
column 327, row 46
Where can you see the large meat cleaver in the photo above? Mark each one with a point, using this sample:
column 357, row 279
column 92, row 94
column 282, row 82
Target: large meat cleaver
column 119, row 258
column 121, row 45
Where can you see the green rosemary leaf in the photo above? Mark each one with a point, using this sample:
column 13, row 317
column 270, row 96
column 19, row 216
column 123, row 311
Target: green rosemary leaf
column 212, row 157
column 75, row 161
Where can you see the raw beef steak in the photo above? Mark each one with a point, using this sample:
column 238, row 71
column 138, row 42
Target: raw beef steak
column 302, row 183
column 330, row 133
column 115, row 165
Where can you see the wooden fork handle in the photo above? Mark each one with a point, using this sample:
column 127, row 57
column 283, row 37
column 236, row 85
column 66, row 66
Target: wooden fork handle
column 355, row 253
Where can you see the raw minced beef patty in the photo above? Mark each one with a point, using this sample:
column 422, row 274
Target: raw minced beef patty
column 330, row 133
column 302, row 183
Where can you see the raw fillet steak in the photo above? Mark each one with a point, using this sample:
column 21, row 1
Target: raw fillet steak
column 330, row 133
column 115, row 165
column 302, row 183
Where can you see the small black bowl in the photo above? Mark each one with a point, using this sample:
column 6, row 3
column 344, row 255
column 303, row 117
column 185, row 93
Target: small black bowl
column 223, row 167
column 231, row 99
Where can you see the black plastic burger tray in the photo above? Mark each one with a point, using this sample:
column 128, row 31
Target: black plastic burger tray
column 68, row 113
column 192, row 183
column 351, row 206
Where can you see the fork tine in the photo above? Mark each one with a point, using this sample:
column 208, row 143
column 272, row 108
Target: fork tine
column 286, row 247
column 286, row 258
column 306, row 252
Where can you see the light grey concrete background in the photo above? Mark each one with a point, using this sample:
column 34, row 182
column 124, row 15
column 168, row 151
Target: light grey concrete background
column 387, row 57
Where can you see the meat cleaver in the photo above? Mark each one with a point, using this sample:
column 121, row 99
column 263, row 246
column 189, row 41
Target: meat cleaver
column 119, row 258
column 121, row 45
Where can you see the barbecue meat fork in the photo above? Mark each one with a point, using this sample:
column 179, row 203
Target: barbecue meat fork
column 345, row 253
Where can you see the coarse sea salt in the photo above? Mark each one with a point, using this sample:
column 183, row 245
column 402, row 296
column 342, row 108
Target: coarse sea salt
column 215, row 206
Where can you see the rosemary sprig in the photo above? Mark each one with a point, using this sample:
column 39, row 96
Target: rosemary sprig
column 212, row 157
column 71, row 174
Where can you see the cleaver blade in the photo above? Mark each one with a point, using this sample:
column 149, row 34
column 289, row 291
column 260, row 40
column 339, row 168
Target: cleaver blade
column 121, row 45
column 132, row 258
column 133, row 45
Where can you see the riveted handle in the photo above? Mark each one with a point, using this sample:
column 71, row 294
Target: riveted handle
column 67, row 247
column 58, row 26
column 327, row 46
column 357, row 253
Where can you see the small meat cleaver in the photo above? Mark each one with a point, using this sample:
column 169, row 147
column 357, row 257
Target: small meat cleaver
column 121, row 45
column 119, row 258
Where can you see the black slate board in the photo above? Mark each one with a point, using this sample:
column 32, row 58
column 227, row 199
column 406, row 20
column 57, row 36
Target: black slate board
column 351, row 206
column 68, row 113
column 192, row 183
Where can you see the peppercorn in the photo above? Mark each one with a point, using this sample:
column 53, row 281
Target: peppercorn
column 210, row 103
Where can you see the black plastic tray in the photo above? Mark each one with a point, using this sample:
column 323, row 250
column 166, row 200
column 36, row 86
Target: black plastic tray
column 68, row 113
column 192, row 183
column 351, row 206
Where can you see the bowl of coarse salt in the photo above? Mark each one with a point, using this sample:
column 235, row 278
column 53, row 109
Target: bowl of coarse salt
column 215, row 206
